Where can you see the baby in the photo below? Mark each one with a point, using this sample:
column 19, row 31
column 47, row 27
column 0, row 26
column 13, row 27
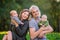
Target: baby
column 14, row 16
column 43, row 21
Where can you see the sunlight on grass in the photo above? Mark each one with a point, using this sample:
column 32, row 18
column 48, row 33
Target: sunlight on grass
column 4, row 32
column 50, row 36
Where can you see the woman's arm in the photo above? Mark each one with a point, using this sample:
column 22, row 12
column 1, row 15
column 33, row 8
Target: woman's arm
column 23, row 30
column 14, row 22
column 48, row 29
column 34, row 33
column 20, row 31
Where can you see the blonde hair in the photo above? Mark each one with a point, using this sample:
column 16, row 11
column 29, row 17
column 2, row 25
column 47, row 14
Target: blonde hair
column 44, row 16
column 36, row 7
column 12, row 11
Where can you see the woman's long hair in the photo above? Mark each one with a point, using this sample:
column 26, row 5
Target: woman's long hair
column 24, row 10
column 36, row 7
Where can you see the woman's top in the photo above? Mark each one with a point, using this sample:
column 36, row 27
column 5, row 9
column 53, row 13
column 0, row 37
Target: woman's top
column 20, row 31
column 34, row 24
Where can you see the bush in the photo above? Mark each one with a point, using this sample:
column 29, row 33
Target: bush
column 53, row 36
column 50, row 36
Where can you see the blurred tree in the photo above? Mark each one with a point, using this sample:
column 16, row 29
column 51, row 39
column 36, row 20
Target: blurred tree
column 49, row 7
column 5, row 7
column 55, row 12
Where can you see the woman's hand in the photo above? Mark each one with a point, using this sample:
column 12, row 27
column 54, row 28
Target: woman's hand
column 41, row 35
column 14, row 22
column 42, row 27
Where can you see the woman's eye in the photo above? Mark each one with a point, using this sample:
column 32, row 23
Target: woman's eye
column 36, row 10
column 33, row 12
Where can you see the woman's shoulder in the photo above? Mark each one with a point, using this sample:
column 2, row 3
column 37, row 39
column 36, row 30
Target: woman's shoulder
column 32, row 20
column 26, row 21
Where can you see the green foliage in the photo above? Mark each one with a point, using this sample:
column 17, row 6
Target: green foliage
column 1, row 36
column 5, row 8
column 28, row 36
column 53, row 36
column 50, row 36
column 49, row 7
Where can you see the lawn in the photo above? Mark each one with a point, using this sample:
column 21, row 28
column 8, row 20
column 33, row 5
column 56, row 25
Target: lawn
column 4, row 32
column 51, row 36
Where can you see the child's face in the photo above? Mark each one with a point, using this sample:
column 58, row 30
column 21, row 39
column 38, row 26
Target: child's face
column 14, row 13
column 44, row 18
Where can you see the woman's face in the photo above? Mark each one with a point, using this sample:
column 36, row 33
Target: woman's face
column 35, row 13
column 25, row 15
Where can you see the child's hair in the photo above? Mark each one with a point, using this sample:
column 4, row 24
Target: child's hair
column 12, row 12
column 44, row 16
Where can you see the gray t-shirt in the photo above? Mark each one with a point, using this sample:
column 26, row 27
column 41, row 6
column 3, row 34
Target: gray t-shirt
column 16, row 19
column 34, row 24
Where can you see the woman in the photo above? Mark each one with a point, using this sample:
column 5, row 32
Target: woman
column 19, row 31
column 35, row 31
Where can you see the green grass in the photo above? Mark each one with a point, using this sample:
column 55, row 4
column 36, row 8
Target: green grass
column 1, row 36
column 53, row 36
column 50, row 36
column 28, row 36
column 4, row 32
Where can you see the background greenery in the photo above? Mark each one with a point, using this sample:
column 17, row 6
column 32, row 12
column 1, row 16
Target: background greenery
column 50, row 36
column 49, row 7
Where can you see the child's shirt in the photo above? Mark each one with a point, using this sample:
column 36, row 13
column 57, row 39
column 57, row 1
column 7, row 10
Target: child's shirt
column 16, row 19
column 45, row 23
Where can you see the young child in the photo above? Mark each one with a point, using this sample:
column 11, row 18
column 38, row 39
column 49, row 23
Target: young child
column 14, row 16
column 43, row 21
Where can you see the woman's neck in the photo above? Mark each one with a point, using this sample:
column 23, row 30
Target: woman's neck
column 21, row 19
column 35, row 18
